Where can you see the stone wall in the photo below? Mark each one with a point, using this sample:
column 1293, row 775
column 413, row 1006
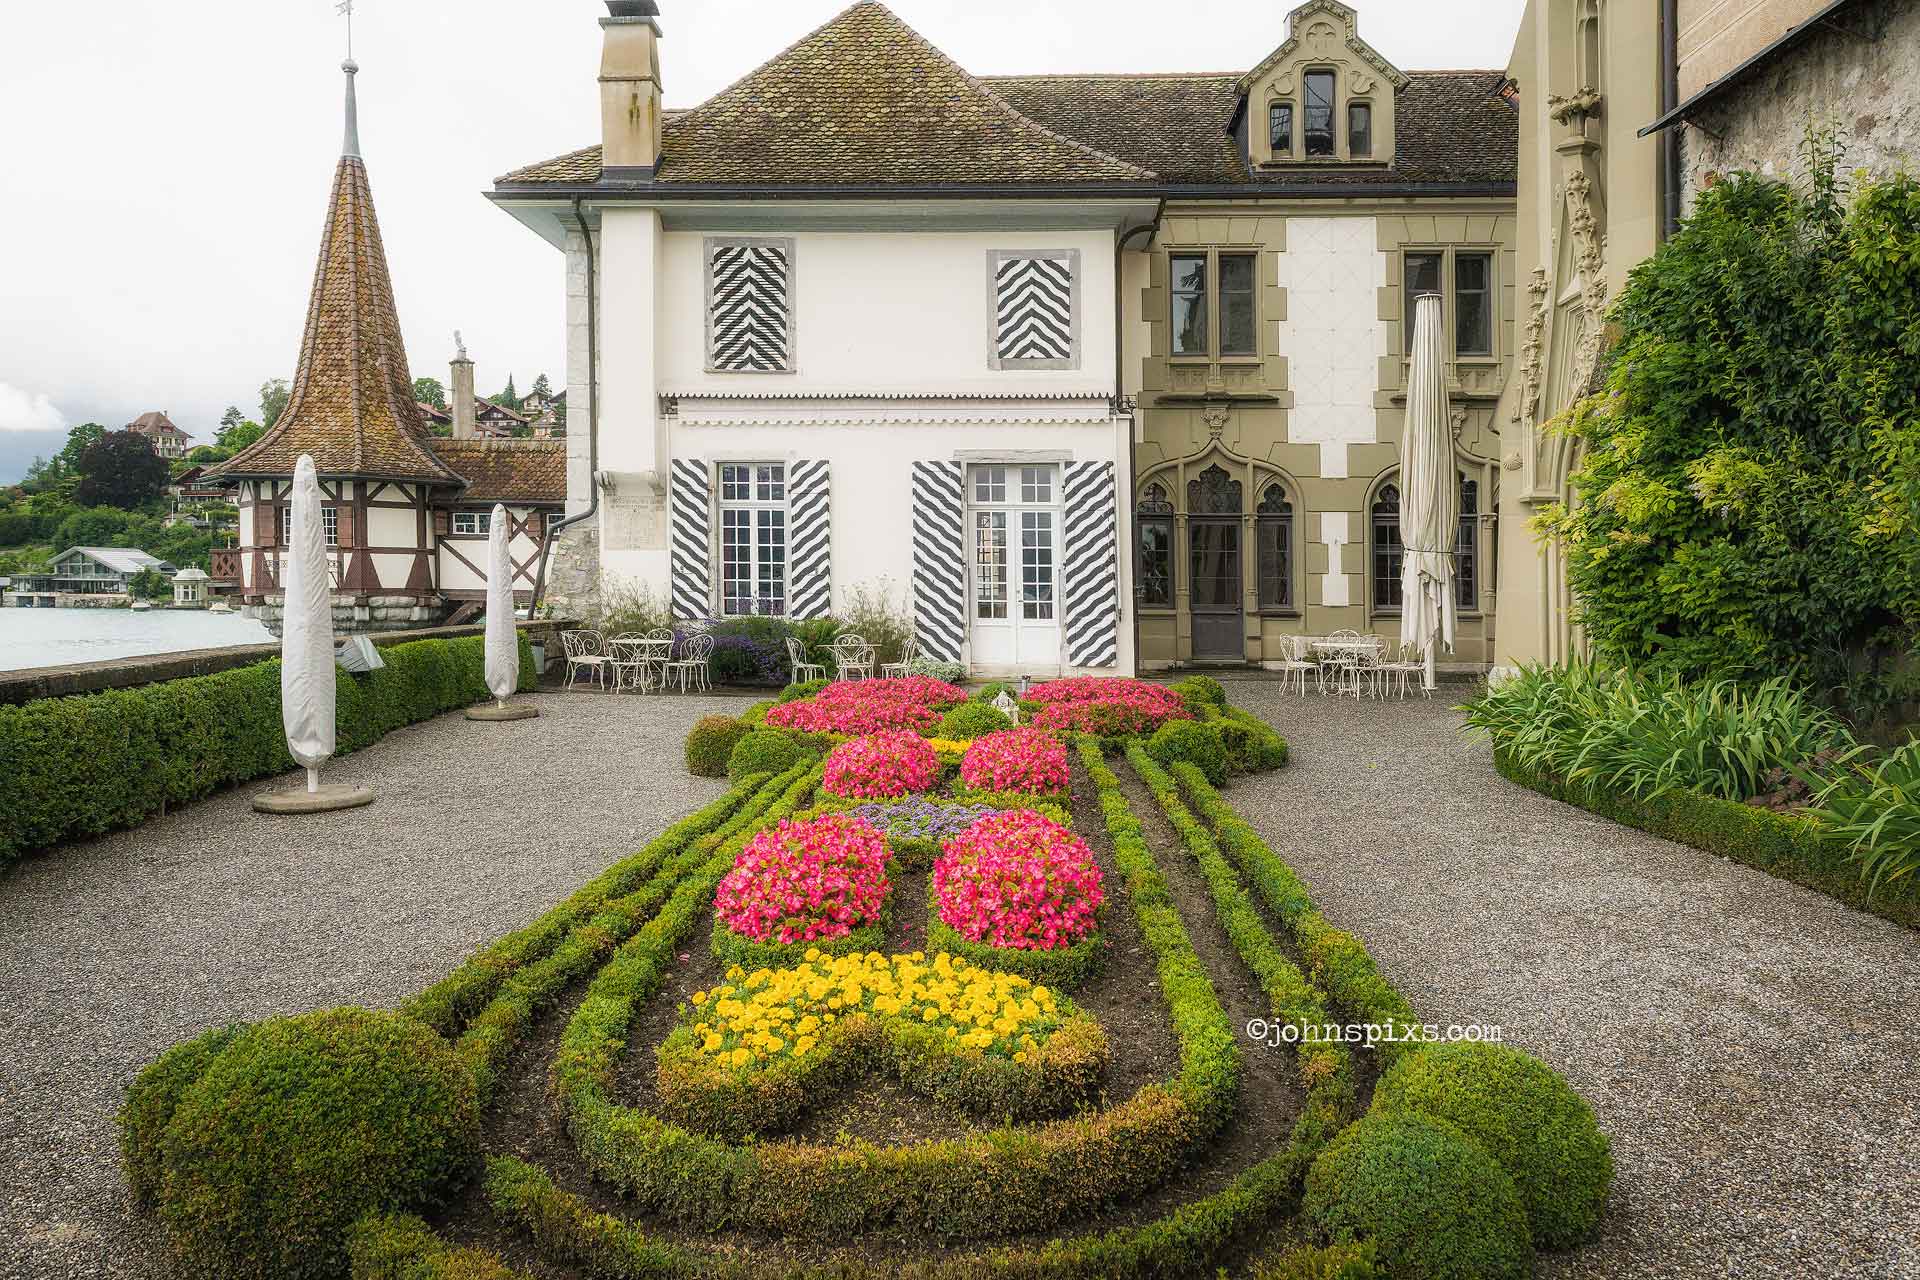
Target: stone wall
column 573, row 572
column 1859, row 76
column 125, row 673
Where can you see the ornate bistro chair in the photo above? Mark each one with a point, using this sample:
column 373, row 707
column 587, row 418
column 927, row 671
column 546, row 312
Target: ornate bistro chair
column 628, row 656
column 1409, row 663
column 894, row 670
column 691, row 667
column 853, row 656
column 797, row 659
column 1296, row 663
column 1337, row 660
column 585, row 651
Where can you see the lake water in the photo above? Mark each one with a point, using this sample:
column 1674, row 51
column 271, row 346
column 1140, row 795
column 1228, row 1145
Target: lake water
column 55, row 637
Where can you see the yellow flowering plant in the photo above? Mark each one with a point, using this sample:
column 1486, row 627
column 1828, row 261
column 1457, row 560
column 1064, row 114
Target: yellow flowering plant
column 754, row 1053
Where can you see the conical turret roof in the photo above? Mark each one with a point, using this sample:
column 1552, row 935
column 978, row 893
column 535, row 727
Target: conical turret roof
column 352, row 406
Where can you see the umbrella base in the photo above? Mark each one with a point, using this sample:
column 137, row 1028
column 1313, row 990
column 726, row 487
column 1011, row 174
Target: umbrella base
column 502, row 711
column 300, row 800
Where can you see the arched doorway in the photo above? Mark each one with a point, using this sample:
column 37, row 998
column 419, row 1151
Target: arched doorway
column 1216, row 578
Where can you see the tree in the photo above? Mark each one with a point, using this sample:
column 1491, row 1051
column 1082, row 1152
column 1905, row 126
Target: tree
column 430, row 391
column 231, row 418
column 149, row 584
column 120, row 469
column 79, row 440
column 96, row 527
column 238, row 436
column 510, row 398
column 542, row 388
column 274, row 394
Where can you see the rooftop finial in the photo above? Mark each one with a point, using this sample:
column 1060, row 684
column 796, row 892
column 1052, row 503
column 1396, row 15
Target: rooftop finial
column 351, row 146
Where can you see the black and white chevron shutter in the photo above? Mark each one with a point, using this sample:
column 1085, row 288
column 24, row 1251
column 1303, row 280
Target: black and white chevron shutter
column 809, row 541
column 692, row 576
column 748, row 325
column 1092, row 569
column 939, row 565
column 1033, row 308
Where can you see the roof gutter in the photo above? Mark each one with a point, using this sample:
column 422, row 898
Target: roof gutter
column 593, row 411
column 678, row 191
column 1793, row 35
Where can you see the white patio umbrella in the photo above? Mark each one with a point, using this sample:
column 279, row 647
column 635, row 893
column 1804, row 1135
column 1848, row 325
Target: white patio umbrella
column 1429, row 496
column 306, row 657
column 503, row 638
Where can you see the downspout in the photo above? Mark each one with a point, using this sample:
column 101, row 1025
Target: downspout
column 1669, row 99
column 1120, row 393
column 593, row 411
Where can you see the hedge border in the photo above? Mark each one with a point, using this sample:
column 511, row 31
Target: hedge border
column 91, row 763
column 1042, row 1174
column 1784, row 846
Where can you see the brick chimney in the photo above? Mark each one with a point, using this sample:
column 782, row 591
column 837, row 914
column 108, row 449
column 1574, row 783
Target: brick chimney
column 630, row 91
column 463, row 423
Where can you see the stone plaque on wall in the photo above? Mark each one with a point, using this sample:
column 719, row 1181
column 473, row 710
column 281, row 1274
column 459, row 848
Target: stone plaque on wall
column 634, row 522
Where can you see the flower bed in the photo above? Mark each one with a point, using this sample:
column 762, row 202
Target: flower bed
column 881, row 766
column 1019, row 882
column 1024, row 759
column 751, row 1055
column 1104, row 689
column 869, row 706
column 1127, row 717
column 916, row 827
column 820, row 881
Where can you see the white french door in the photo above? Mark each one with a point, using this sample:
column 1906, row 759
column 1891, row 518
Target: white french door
column 1013, row 530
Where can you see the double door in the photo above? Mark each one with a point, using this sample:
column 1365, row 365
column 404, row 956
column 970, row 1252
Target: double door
column 1013, row 529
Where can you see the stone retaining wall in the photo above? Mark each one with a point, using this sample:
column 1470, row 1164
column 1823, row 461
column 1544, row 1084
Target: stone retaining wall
column 123, row 673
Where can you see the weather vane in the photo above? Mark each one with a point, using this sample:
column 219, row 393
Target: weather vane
column 345, row 8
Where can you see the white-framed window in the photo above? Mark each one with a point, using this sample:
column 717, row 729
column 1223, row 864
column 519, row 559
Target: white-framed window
column 1015, row 542
column 749, row 304
column 1464, row 278
column 286, row 524
column 753, row 538
column 1034, row 302
column 472, row 524
column 330, row 523
column 553, row 519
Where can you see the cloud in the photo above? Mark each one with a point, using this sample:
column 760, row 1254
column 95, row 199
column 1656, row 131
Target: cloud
column 24, row 411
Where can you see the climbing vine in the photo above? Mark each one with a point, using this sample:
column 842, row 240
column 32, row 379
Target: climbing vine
column 1749, row 496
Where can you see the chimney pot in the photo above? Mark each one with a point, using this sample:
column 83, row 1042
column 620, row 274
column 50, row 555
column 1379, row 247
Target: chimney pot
column 630, row 105
column 633, row 8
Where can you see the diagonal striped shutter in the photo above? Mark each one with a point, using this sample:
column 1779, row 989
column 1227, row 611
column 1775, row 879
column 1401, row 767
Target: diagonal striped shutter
column 939, row 566
column 1034, row 308
column 809, row 541
column 748, row 325
column 1092, row 569
column 692, row 575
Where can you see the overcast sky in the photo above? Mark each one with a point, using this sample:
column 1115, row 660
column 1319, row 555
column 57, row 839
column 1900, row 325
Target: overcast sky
column 165, row 166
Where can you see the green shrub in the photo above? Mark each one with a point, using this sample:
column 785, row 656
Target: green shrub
column 98, row 762
column 971, row 720
column 1200, row 691
column 301, row 1125
column 756, row 715
column 1872, row 812
column 805, row 689
column 989, row 691
column 1622, row 731
column 710, row 744
column 951, row 672
column 1435, row 1205
column 1525, row 1116
column 399, row 1246
column 1251, row 744
column 1353, row 1260
column 762, row 751
column 151, row 1101
column 1196, row 743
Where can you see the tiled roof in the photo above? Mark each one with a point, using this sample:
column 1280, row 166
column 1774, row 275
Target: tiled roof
column 864, row 100
column 153, row 422
column 352, row 404
column 508, row 470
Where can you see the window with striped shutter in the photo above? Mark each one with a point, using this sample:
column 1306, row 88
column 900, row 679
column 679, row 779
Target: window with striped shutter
column 1035, row 303
column 749, row 292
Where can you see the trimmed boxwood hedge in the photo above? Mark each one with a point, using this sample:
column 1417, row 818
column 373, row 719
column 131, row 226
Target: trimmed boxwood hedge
column 399, row 1246
column 763, row 751
column 1781, row 845
column 97, row 762
column 710, row 744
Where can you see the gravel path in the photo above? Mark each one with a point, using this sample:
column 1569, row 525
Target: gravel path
column 1750, row 1046
column 116, row 949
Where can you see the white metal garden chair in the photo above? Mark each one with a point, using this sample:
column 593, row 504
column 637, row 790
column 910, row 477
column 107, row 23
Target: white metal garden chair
column 585, row 651
column 797, row 659
column 853, row 656
column 691, row 667
column 1409, row 662
column 1296, row 663
column 904, row 667
column 628, row 656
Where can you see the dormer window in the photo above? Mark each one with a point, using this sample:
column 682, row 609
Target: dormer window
column 1280, row 128
column 1360, row 130
column 1319, row 103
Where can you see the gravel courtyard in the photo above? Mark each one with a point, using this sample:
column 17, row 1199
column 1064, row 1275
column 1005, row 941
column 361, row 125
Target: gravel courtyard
column 1750, row 1046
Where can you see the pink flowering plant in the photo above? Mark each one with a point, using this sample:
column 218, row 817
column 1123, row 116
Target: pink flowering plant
column 806, row 880
column 1125, row 715
column 1103, row 689
column 869, row 706
column 881, row 766
column 1018, row 881
column 1023, row 759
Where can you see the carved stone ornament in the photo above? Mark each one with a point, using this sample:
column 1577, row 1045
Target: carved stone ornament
column 1590, row 259
column 1527, row 407
column 1003, row 703
column 1337, row 37
column 1216, row 419
column 1574, row 108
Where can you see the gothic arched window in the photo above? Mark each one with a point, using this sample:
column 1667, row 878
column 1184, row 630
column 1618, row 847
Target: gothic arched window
column 1213, row 493
column 1388, row 553
column 1153, row 549
column 1273, row 541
